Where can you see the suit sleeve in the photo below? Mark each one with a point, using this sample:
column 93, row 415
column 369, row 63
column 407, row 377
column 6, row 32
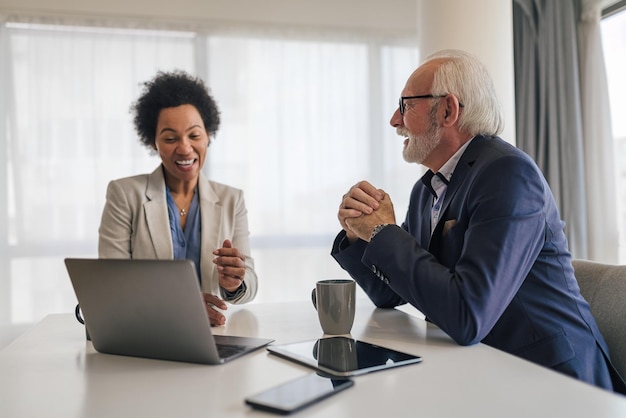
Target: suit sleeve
column 493, row 247
column 241, row 241
column 350, row 259
column 116, row 225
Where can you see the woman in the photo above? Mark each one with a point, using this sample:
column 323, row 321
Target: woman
column 176, row 212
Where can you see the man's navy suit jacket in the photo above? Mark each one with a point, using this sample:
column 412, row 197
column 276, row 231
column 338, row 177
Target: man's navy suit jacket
column 496, row 268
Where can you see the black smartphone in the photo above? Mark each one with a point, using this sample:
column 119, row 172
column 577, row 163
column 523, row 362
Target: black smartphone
column 298, row 393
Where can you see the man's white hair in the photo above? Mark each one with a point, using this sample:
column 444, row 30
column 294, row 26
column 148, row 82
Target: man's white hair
column 464, row 76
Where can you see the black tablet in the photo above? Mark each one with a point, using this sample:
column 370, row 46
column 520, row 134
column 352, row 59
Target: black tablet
column 343, row 356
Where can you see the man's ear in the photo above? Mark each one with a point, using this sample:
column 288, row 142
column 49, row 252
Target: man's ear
column 452, row 108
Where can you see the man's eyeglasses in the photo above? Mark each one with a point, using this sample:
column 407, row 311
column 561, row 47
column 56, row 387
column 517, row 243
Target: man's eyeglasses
column 424, row 96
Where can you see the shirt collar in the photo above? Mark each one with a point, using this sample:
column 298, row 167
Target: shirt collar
column 447, row 169
column 434, row 181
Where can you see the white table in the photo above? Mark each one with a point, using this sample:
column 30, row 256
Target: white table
column 51, row 371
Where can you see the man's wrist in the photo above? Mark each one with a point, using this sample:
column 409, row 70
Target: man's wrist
column 377, row 229
column 351, row 237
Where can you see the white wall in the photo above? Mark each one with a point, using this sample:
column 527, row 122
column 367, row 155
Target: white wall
column 482, row 27
column 393, row 17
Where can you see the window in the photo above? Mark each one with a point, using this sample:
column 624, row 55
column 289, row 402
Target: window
column 302, row 120
column 614, row 45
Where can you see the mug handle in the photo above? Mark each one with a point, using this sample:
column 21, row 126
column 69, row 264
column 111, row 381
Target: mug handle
column 79, row 317
column 314, row 298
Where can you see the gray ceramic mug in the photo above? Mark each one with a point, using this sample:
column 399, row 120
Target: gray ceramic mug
column 334, row 301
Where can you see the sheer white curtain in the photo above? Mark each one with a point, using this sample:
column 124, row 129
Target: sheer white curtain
column 297, row 132
column 67, row 93
column 302, row 120
column 603, row 236
column 613, row 46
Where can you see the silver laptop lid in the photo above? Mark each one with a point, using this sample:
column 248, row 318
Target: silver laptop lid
column 144, row 308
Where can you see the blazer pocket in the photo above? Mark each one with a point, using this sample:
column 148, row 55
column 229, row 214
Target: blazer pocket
column 447, row 226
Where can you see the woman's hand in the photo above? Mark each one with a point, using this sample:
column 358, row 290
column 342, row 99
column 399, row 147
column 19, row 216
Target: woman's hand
column 212, row 304
column 231, row 266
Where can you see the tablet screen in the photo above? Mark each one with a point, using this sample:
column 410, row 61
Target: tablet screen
column 343, row 356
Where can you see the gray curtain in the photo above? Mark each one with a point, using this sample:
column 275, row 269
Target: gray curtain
column 548, row 110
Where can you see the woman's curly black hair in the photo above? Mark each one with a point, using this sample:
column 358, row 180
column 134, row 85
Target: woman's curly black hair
column 172, row 89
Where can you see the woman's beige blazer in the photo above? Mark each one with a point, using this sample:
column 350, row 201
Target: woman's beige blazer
column 135, row 224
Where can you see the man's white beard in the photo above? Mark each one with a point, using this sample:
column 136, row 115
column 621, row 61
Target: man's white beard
column 419, row 147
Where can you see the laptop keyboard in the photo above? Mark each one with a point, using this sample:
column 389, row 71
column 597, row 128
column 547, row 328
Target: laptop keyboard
column 228, row 350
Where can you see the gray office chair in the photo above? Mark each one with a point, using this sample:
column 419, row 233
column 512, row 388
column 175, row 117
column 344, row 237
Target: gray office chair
column 604, row 287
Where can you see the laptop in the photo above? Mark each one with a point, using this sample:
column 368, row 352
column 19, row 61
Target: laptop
column 152, row 309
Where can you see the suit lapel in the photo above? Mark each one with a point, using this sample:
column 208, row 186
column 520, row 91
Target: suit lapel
column 426, row 228
column 458, row 177
column 461, row 171
column 211, row 221
column 157, row 218
column 425, row 202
